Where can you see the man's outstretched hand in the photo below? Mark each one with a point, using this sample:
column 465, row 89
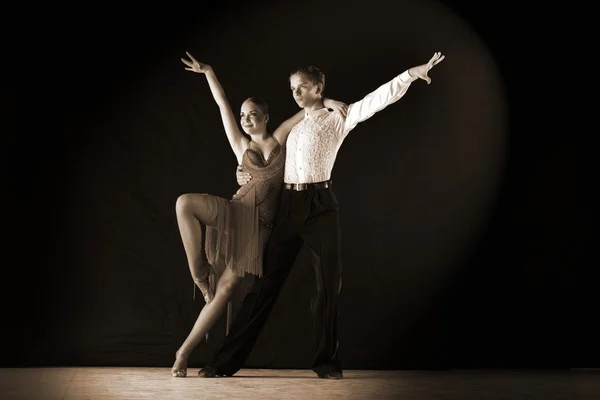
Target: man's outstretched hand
column 422, row 70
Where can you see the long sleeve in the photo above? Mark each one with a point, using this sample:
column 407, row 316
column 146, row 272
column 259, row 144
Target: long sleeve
column 377, row 100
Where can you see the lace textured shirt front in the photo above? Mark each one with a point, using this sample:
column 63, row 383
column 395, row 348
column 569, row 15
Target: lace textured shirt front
column 313, row 143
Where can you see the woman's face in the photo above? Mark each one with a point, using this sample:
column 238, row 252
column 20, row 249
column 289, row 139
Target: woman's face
column 252, row 119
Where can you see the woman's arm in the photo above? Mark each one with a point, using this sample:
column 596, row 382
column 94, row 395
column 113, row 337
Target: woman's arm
column 283, row 130
column 237, row 140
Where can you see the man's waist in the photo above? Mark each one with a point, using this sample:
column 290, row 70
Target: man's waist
column 306, row 186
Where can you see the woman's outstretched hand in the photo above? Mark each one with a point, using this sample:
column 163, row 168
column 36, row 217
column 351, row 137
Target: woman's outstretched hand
column 195, row 66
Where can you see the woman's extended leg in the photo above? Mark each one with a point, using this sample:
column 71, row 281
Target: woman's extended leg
column 208, row 317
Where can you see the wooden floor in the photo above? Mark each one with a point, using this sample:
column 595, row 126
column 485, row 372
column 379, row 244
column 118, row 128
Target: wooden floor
column 104, row 383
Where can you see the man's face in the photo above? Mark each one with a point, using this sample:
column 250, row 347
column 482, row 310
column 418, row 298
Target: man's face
column 304, row 91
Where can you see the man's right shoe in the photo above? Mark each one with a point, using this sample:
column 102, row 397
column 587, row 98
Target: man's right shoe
column 331, row 375
column 209, row 372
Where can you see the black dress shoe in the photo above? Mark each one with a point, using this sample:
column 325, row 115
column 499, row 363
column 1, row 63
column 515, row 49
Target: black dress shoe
column 330, row 375
column 209, row 372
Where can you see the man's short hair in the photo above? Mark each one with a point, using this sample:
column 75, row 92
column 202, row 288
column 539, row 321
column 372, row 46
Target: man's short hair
column 312, row 73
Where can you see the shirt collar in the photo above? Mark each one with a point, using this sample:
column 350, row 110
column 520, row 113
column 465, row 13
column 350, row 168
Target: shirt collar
column 315, row 113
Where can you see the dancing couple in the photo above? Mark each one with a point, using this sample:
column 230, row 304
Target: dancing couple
column 285, row 201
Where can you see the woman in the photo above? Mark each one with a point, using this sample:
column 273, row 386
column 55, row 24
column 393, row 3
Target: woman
column 237, row 229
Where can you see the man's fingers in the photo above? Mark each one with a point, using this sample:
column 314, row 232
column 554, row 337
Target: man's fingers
column 437, row 58
column 242, row 177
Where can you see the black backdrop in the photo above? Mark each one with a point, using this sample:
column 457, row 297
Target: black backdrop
column 462, row 234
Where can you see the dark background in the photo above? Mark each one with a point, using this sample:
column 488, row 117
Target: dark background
column 464, row 239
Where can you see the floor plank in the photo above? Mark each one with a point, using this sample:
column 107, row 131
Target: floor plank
column 107, row 383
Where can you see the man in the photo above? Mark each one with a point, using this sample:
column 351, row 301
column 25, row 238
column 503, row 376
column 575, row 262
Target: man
column 308, row 215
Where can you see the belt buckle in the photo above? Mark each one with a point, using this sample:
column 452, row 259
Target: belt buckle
column 301, row 186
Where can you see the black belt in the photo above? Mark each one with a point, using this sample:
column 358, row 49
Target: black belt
column 304, row 186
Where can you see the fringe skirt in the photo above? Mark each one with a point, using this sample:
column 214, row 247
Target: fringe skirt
column 235, row 240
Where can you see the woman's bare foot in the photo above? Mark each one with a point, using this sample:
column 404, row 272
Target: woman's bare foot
column 179, row 369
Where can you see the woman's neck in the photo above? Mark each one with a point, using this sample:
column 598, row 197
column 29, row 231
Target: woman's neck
column 260, row 137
